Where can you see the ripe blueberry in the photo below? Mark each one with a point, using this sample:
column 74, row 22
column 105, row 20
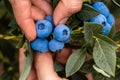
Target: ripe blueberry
column 100, row 19
column 43, row 28
column 111, row 19
column 61, row 32
column 55, row 45
column 50, row 18
column 67, row 41
column 40, row 45
column 106, row 29
column 101, row 7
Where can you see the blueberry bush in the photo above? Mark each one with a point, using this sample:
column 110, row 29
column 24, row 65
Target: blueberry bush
column 93, row 31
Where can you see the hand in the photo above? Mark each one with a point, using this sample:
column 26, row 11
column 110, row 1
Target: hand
column 42, row 68
column 62, row 12
column 65, row 9
column 28, row 11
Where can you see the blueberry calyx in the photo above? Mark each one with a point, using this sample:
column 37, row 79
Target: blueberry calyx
column 41, row 26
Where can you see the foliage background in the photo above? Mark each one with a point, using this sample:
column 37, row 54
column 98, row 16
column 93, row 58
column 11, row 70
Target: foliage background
column 11, row 35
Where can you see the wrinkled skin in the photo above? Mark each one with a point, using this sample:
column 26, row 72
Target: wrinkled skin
column 28, row 11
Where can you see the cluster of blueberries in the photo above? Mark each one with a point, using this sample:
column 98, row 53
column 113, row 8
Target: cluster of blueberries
column 61, row 33
column 44, row 28
column 106, row 19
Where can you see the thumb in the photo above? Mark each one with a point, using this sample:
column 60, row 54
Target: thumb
column 65, row 9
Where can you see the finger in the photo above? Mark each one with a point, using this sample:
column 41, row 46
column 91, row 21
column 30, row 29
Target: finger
column 89, row 76
column 37, row 14
column 22, row 12
column 44, row 66
column 65, row 9
column 64, row 79
column 32, row 74
column 60, row 14
column 63, row 56
column 88, row 57
column 44, row 5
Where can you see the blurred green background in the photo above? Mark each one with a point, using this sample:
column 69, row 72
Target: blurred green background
column 10, row 35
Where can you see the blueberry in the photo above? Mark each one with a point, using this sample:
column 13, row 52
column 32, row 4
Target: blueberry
column 55, row 45
column 43, row 28
column 50, row 19
column 111, row 19
column 83, row 18
column 101, row 7
column 61, row 32
column 40, row 45
column 100, row 19
column 106, row 29
column 67, row 41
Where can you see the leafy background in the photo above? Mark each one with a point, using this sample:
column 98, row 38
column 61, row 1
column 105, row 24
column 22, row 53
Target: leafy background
column 11, row 38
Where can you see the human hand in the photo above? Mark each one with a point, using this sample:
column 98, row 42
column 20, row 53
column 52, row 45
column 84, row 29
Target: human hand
column 65, row 9
column 62, row 12
column 42, row 68
column 28, row 11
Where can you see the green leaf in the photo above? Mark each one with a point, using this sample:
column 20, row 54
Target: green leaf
column 28, row 63
column 87, row 67
column 104, row 56
column 75, row 62
column 58, row 67
column 107, row 39
column 77, row 37
column 87, row 12
column 73, row 22
column 21, row 42
column 101, row 71
column 91, row 29
column 112, row 32
column 98, row 76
